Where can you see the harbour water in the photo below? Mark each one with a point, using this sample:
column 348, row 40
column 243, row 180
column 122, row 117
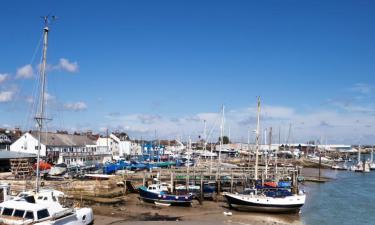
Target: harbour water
column 348, row 199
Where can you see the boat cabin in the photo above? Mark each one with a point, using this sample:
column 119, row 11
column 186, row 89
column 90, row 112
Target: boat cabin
column 22, row 212
column 29, row 207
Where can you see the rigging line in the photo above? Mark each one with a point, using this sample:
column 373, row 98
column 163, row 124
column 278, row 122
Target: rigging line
column 212, row 129
column 22, row 82
column 35, row 97
column 31, row 106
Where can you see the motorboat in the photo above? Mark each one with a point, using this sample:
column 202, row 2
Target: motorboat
column 42, row 208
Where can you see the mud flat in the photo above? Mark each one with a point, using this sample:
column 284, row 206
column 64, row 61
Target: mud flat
column 135, row 211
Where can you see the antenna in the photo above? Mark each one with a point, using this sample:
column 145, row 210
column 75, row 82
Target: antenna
column 47, row 19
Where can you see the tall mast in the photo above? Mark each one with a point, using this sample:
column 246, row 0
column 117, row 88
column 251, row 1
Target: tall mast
column 40, row 114
column 221, row 134
column 269, row 150
column 205, row 135
column 257, row 141
column 276, row 154
column 248, row 146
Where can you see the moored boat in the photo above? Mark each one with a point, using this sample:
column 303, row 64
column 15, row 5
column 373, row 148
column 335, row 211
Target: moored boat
column 270, row 198
column 58, row 169
column 263, row 203
column 156, row 193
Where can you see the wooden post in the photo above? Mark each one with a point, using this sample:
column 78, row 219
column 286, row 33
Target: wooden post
column 202, row 194
column 172, row 189
column 125, row 188
column 218, row 187
column 294, row 180
column 231, row 183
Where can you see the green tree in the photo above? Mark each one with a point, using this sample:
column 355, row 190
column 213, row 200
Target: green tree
column 225, row 140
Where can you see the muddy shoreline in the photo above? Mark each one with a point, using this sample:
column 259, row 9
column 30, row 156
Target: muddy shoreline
column 134, row 211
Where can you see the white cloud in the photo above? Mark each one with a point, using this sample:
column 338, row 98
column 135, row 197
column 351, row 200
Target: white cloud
column 25, row 72
column 338, row 126
column 67, row 66
column 29, row 99
column 49, row 97
column 3, row 77
column 6, row 96
column 362, row 88
column 76, row 106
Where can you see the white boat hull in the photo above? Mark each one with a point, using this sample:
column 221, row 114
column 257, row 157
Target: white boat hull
column 287, row 204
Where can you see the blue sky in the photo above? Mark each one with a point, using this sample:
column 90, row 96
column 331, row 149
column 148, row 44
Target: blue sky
column 141, row 66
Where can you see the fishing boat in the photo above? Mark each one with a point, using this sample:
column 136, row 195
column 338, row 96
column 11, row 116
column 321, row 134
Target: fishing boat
column 44, row 167
column 276, row 201
column 42, row 206
column 209, row 190
column 58, row 169
column 158, row 194
column 192, row 189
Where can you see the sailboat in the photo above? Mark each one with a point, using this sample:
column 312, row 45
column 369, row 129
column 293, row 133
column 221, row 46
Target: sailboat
column 280, row 201
column 371, row 162
column 41, row 206
column 361, row 166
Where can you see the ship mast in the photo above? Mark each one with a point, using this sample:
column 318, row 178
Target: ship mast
column 257, row 141
column 40, row 114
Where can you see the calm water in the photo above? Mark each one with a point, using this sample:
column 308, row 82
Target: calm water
column 349, row 199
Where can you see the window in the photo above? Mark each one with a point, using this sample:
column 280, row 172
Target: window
column 40, row 198
column 42, row 214
column 54, row 198
column 29, row 215
column 7, row 211
column 19, row 213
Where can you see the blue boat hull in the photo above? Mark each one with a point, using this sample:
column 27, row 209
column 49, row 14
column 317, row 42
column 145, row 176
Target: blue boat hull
column 174, row 200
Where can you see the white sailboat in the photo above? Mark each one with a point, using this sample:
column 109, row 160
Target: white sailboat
column 372, row 163
column 360, row 166
column 41, row 207
column 260, row 202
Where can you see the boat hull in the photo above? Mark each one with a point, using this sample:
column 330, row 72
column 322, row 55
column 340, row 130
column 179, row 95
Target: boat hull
column 251, row 204
column 174, row 200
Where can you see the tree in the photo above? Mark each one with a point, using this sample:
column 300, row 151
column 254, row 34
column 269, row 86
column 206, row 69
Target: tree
column 225, row 140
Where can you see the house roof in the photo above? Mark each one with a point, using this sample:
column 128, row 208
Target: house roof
column 59, row 139
column 15, row 155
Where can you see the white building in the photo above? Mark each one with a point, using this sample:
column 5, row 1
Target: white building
column 65, row 148
column 118, row 145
